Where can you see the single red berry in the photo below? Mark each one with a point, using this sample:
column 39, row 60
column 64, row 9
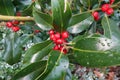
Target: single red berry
column 97, row 18
column 65, row 51
column 15, row 22
column 15, row 28
column 112, row 1
column 18, row 13
column 51, row 32
column 110, row 11
column 59, row 41
column 9, row 24
column 105, row 7
column 57, row 35
column 52, row 37
column 37, row 31
column 65, row 34
column 56, row 47
column 96, row 15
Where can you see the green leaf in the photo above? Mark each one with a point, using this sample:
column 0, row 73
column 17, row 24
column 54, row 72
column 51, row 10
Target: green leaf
column 44, row 21
column 6, row 7
column 28, row 11
column 104, row 52
column 37, row 52
column 80, row 22
column 61, row 14
column 41, row 4
column 22, row 2
column 12, row 52
column 110, row 27
column 56, row 68
column 31, row 71
column 88, row 3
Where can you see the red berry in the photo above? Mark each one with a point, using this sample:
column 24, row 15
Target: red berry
column 18, row 14
column 110, row 11
column 52, row 37
column 56, row 47
column 65, row 51
column 97, row 18
column 65, row 34
column 37, row 31
column 112, row 1
column 61, row 48
column 96, row 15
column 105, row 7
column 9, row 24
column 15, row 28
column 51, row 32
column 59, row 41
column 14, row 22
column 57, row 35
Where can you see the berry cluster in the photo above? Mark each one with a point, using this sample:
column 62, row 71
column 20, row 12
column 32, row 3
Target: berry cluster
column 13, row 25
column 105, row 8
column 59, row 40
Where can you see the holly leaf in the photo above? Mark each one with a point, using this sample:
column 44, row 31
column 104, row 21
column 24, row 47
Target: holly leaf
column 111, row 30
column 12, row 53
column 61, row 14
column 6, row 7
column 56, row 67
column 80, row 22
column 13, row 47
column 31, row 71
column 37, row 52
column 28, row 11
column 88, row 3
column 104, row 52
column 44, row 21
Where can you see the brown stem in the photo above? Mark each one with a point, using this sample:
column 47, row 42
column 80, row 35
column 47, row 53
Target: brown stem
column 19, row 18
column 97, row 9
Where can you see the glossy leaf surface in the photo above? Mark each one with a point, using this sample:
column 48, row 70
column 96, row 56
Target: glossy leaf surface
column 6, row 7
column 56, row 67
column 104, row 52
column 80, row 22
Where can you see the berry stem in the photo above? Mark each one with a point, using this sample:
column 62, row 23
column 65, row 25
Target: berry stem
column 70, row 43
column 19, row 18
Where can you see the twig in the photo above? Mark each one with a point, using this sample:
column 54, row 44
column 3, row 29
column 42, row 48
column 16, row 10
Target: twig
column 19, row 18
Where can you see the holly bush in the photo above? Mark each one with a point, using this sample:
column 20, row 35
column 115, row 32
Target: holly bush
column 44, row 37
